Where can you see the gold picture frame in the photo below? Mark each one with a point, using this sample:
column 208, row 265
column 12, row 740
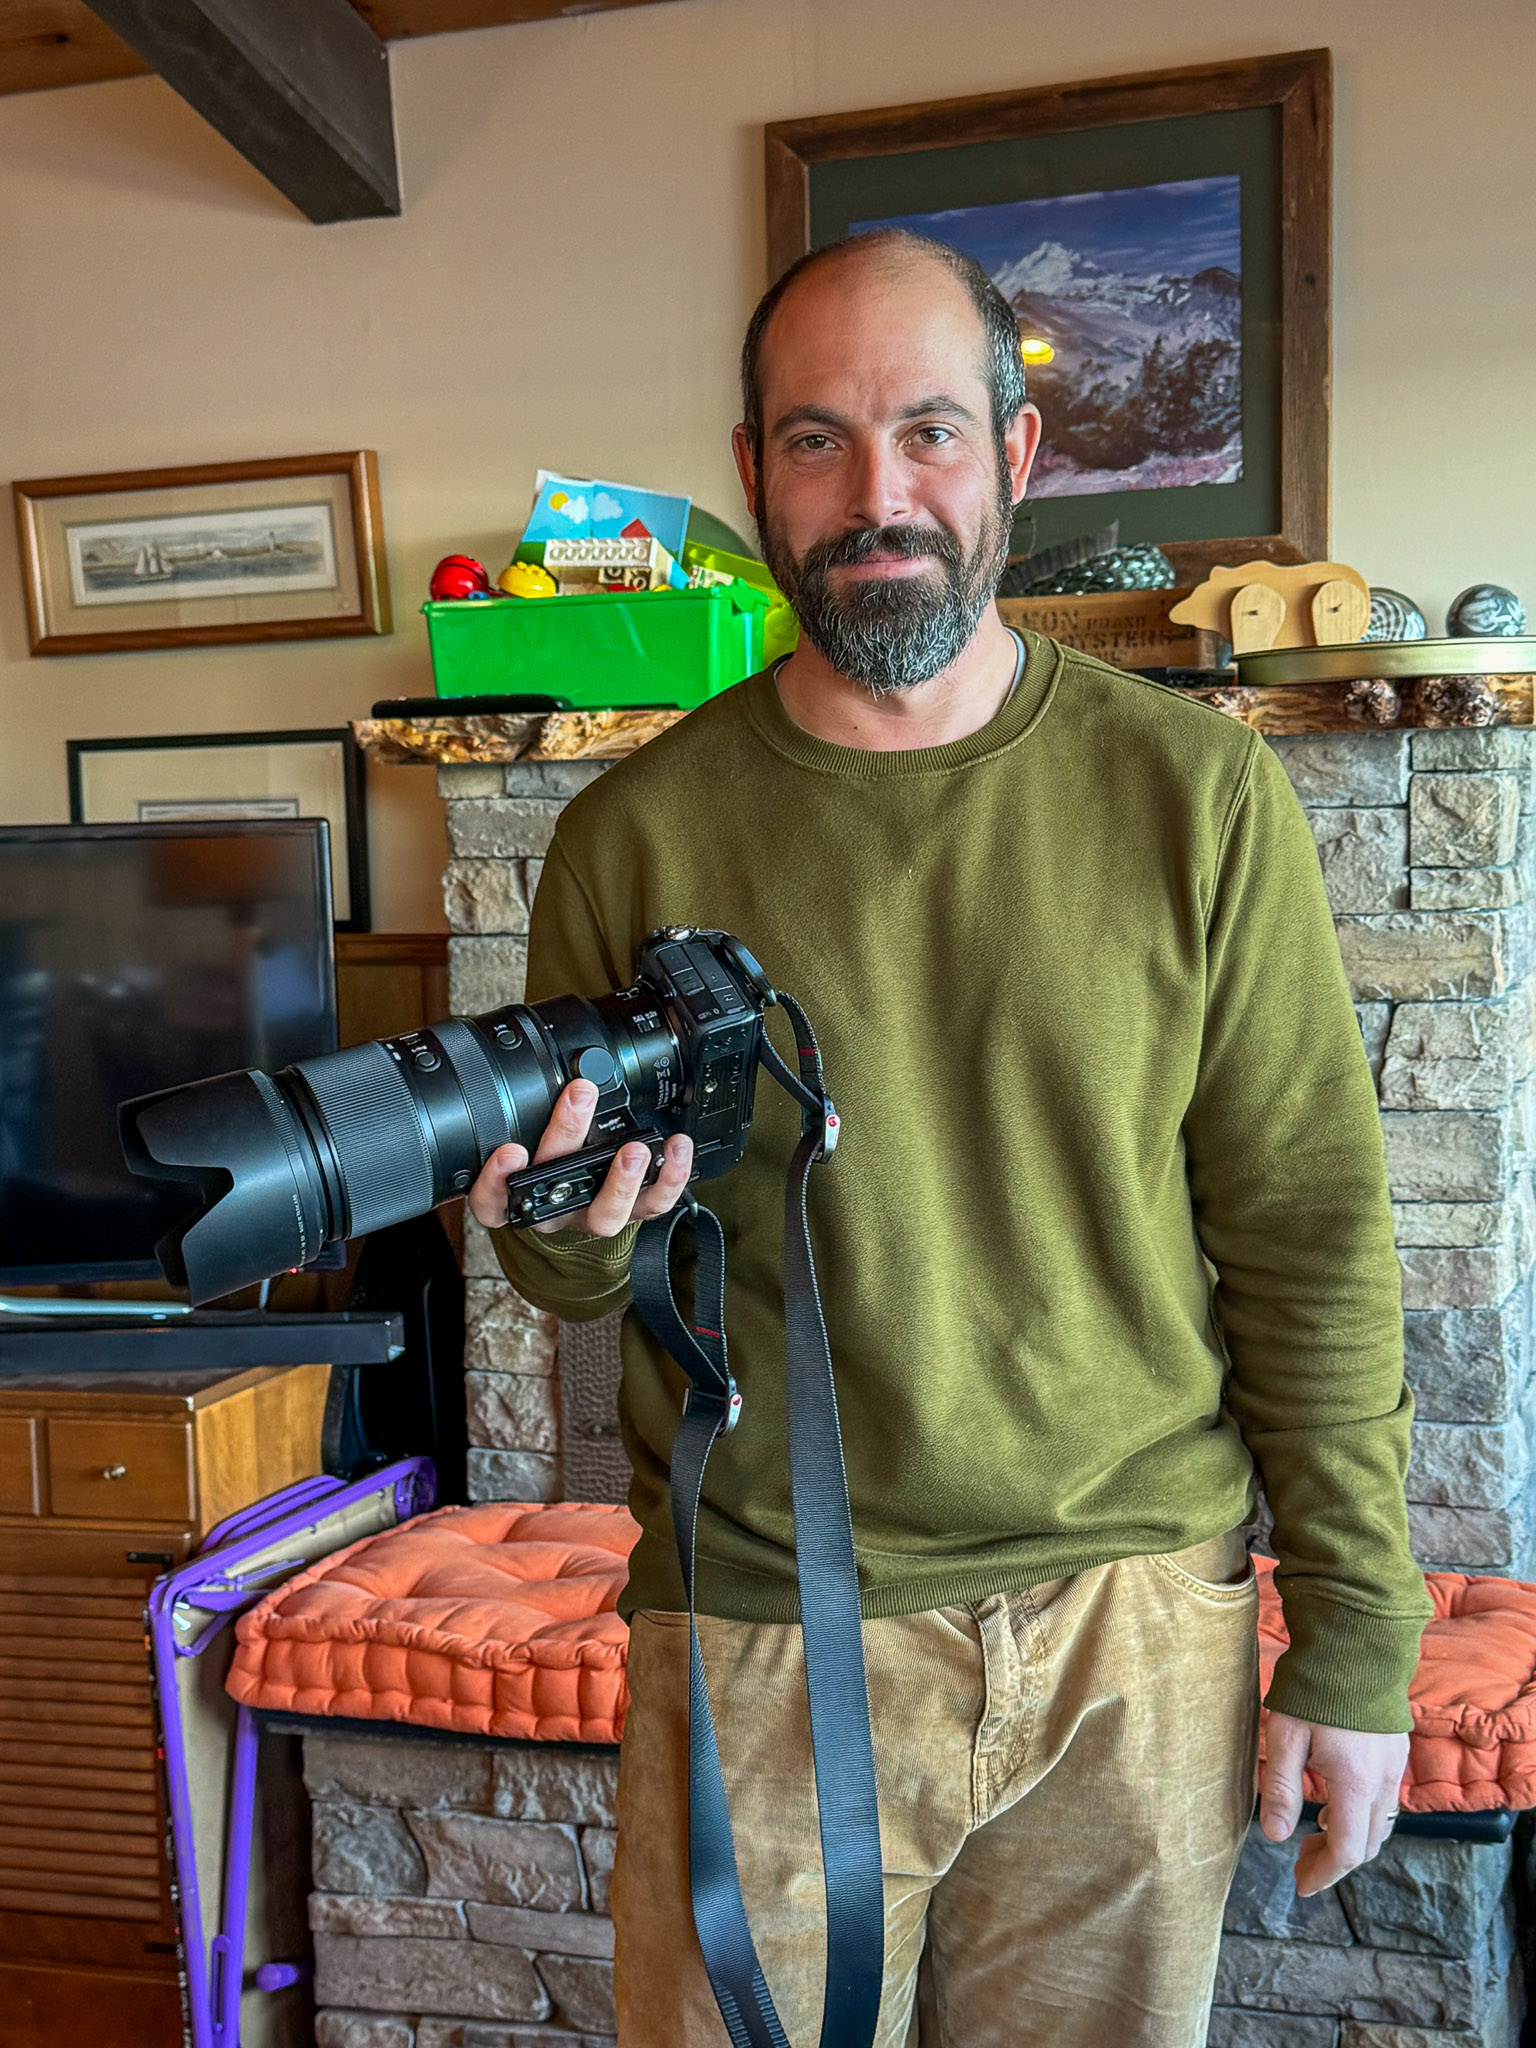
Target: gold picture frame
column 287, row 548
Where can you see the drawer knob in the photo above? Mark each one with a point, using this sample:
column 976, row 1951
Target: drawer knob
column 114, row 1471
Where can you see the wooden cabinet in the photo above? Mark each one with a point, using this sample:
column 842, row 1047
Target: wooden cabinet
column 105, row 1484
column 389, row 982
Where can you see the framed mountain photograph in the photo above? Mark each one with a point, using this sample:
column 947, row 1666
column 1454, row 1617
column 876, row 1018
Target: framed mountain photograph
column 1163, row 241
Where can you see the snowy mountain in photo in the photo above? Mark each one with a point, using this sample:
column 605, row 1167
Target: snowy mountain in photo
column 1146, row 382
column 1103, row 323
column 1139, row 292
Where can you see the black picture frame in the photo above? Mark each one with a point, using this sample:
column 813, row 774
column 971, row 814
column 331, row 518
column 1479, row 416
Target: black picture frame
column 91, row 799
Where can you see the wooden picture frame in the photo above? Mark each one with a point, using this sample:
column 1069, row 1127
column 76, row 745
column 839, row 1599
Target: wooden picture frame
column 175, row 777
column 1268, row 111
column 209, row 555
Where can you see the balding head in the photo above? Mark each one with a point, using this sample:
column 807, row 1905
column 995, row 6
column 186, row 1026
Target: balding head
column 892, row 253
column 885, row 444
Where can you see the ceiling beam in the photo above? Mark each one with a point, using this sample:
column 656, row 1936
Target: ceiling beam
column 299, row 87
column 394, row 18
column 45, row 43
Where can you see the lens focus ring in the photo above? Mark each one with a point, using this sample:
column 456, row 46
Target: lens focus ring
column 477, row 1083
column 386, row 1169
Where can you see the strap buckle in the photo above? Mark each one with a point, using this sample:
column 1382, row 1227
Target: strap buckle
column 831, row 1128
column 722, row 1408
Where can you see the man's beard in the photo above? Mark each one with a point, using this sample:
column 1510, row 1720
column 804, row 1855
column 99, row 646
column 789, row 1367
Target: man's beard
column 892, row 633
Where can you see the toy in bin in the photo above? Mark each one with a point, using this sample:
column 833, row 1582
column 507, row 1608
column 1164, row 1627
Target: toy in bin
column 621, row 620
column 526, row 579
column 459, row 576
column 604, row 650
column 587, row 508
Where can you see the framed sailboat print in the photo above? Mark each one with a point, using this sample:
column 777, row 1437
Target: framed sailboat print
column 289, row 548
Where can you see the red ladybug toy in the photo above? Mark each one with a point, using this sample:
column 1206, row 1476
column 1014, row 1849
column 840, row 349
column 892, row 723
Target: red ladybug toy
column 459, row 576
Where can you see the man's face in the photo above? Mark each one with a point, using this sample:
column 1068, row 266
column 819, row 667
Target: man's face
column 881, row 499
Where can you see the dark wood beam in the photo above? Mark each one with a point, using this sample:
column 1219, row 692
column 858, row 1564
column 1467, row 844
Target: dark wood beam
column 47, row 43
column 300, row 87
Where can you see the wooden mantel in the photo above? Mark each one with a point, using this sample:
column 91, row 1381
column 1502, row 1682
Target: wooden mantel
column 1361, row 706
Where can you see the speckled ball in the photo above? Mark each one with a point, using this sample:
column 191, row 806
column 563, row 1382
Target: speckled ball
column 1394, row 617
column 1486, row 609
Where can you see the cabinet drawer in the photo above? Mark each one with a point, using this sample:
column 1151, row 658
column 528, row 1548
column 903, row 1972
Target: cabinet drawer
column 120, row 1471
column 18, row 1465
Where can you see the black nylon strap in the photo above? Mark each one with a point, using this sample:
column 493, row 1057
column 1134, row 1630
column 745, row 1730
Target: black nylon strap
column 841, row 1744
column 719, row 1914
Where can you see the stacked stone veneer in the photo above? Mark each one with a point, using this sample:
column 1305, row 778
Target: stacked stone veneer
column 476, row 1873
column 460, row 1893
column 1416, row 1950
column 500, row 821
column 1427, row 844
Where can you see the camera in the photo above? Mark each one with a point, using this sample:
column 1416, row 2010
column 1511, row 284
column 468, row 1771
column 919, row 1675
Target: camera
column 278, row 1166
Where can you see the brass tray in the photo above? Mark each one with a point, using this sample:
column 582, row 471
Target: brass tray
column 1389, row 661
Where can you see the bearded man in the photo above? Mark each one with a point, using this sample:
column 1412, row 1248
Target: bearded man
column 1106, row 1243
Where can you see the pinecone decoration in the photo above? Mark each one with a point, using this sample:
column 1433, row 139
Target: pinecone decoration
column 1142, row 567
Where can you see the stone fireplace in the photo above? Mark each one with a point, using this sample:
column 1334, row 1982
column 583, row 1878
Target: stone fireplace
column 1428, row 842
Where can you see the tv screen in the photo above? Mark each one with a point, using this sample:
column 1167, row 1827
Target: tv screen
column 136, row 957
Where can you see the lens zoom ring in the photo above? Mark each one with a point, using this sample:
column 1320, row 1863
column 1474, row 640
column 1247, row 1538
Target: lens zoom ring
column 472, row 1069
column 372, row 1118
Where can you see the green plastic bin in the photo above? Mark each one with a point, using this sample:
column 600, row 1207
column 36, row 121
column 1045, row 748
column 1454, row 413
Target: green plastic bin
column 781, row 629
column 601, row 651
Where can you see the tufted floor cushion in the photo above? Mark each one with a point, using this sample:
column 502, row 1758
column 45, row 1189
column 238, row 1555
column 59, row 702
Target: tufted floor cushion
column 1473, row 1695
column 492, row 1620
column 500, row 1620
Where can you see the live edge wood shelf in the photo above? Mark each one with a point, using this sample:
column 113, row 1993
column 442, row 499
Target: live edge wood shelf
column 105, row 1483
column 1371, row 705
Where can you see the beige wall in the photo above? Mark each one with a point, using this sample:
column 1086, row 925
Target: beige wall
column 581, row 243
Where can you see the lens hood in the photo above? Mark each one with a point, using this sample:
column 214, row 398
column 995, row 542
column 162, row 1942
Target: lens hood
column 256, row 1205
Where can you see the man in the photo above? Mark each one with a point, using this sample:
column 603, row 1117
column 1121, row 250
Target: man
column 1107, row 1227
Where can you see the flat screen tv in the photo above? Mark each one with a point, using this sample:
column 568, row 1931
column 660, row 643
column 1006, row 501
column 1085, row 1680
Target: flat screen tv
column 134, row 957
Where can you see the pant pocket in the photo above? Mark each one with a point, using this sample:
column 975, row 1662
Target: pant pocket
column 1220, row 1568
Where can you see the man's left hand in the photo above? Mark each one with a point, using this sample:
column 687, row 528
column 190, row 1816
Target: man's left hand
column 1363, row 1775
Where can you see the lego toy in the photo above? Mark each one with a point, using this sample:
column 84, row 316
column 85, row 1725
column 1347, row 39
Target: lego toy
column 633, row 560
column 526, row 579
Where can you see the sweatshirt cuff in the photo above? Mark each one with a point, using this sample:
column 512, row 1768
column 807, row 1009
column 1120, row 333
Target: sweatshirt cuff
column 1346, row 1668
column 577, row 1247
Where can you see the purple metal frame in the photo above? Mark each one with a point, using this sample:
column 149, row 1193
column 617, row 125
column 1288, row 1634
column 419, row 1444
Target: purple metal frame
column 214, row 1582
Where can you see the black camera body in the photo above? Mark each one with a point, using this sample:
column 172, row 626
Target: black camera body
column 693, row 1018
column 282, row 1165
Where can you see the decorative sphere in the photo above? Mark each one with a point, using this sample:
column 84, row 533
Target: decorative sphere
column 1394, row 617
column 1486, row 610
column 459, row 576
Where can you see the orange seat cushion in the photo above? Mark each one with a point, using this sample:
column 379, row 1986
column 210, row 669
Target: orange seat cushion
column 1473, row 1695
column 501, row 1620
column 493, row 1620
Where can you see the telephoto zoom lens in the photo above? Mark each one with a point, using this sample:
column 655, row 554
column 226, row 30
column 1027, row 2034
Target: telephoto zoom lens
column 281, row 1165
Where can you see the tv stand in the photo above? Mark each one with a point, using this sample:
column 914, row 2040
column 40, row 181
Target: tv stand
column 48, row 1305
column 100, row 1339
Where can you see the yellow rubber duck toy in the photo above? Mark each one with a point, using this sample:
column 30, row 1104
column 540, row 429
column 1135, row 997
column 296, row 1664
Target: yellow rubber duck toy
column 526, row 579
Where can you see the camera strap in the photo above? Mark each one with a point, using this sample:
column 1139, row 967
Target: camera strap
column 841, row 1743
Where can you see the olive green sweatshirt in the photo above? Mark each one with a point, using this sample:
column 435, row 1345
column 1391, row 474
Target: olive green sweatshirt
column 1107, row 1226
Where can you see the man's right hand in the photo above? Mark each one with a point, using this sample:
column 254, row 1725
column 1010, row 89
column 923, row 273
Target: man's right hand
column 621, row 1199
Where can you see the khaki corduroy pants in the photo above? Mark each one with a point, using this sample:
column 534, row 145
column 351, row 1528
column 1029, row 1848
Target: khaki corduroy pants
column 1065, row 1776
